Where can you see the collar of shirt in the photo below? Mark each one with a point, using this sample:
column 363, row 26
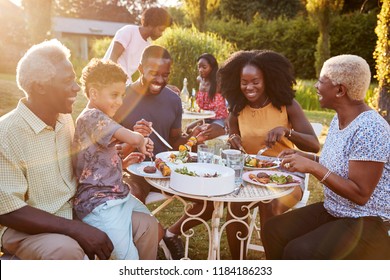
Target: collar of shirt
column 36, row 124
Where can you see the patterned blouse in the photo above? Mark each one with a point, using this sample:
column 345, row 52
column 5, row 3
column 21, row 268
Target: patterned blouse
column 365, row 139
column 218, row 104
column 96, row 162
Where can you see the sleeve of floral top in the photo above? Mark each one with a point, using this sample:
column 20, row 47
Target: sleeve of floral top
column 101, row 127
column 220, row 107
column 200, row 97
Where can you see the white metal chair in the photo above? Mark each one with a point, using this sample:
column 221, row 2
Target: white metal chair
column 305, row 198
column 154, row 197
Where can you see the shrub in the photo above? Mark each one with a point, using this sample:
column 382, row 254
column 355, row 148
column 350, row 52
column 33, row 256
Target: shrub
column 78, row 63
column 100, row 46
column 185, row 46
column 306, row 95
column 349, row 31
column 296, row 38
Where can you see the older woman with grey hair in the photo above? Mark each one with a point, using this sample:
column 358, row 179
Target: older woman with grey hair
column 354, row 168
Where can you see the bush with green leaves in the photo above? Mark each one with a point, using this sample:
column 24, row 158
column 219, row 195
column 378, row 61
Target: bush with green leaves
column 100, row 46
column 297, row 38
column 185, row 45
column 306, row 95
column 349, row 31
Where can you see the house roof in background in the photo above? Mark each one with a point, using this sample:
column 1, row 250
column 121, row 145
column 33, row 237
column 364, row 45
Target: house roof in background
column 84, row 26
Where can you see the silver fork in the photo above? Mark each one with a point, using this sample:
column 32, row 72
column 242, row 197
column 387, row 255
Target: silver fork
column 247, row 157
column 261, row 151
column 237, row 190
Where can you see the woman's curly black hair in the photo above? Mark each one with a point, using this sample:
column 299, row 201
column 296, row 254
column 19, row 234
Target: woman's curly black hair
column 278, row 76
column 213, row 74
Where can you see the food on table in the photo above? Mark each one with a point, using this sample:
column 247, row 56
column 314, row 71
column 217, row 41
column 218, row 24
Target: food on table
column 182, row 157
column 185, row 171
column 259, row 163
column 150, row 169
column 264, row 178
column 195, row 110
column 192, row 159
column 163, row 167
column 281, row 179
column 190, row 143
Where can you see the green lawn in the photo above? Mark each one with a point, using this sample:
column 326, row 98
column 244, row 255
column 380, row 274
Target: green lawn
column 10, row 94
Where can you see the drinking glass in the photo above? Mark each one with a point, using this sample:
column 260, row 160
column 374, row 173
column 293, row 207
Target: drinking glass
column 205, row 153
column 218, row 148
column 226, row 152
column 236, row 162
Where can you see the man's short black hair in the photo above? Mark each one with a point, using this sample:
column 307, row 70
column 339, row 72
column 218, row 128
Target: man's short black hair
column 155, row 51
column 156, row 16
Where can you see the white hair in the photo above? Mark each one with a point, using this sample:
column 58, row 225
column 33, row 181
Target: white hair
column 352, row 71
column 37, row 64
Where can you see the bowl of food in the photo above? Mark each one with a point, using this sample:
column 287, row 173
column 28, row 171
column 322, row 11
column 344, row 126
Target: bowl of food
column 204, row 179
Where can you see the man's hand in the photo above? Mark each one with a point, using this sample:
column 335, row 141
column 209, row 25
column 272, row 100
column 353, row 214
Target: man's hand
column 198, row 133
column 175, row 89
column 94, row 242
column 32, row 220
column 211, row 131
column 144, row 127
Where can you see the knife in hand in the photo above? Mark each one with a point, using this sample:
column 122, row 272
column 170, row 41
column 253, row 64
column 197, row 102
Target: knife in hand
column 161, row 139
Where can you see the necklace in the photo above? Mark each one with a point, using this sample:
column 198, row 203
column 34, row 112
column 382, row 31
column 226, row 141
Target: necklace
column 253, row 110
column 266, row 100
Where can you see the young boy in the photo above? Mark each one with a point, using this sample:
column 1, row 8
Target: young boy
column 102, row 198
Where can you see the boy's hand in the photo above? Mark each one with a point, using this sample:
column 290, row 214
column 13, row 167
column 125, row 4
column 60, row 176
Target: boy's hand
column 134, row 157
column 123, row 150
column 147, row 147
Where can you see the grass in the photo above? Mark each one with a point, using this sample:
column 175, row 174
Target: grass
column 198, row 246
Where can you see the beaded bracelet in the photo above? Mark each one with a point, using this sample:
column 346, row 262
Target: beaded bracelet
column 326, row 176
column 289, row 135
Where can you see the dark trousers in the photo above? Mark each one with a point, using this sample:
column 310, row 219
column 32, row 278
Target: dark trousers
column 312, row 233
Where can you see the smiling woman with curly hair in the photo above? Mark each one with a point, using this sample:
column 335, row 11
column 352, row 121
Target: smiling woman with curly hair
column 258, row 86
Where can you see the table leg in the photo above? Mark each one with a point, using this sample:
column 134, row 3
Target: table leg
column 215, row 241
column 190, row 232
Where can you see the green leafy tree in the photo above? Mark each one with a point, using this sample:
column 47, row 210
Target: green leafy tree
column 242, row 10
column 382, row 57
column 38, row 17
column 320, row 11
column 108, row 10
column 198, row 11
column 267, row 9
column 272, row 9
column 185, row 46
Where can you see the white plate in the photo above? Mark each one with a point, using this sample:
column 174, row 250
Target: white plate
column 165, row 157
column 200, row 113
column 246, row 178
column 138, row 169
column 263, row 168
